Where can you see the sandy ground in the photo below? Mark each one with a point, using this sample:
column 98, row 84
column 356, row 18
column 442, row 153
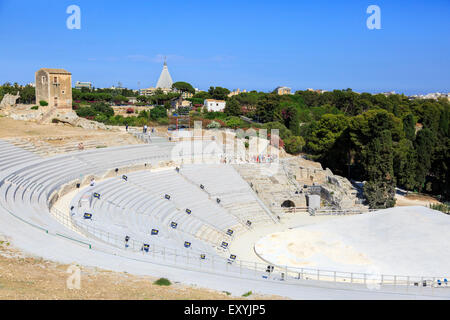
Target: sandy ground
column 414, row 200
column 51, row 139
column 10, row 128
column 60, row 134
column 243, row 246
column 28, row 278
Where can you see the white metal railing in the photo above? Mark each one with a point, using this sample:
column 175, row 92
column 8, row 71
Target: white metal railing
column 326, row 212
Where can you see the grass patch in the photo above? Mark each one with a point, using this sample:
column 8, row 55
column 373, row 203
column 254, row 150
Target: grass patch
column 100, row 147
column 162, row 282
column 247, row 294
column 227, row 293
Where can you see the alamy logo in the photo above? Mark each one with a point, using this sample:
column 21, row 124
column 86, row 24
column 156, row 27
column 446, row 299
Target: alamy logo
column 374, row 21
column 228, row 146
column 74, row 20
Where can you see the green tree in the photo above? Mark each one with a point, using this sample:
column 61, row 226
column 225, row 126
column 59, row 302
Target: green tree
column 440, row 168
column 326, row 132
column 183, row 87
column 380, row 186
column 405, row 163
column 409, row 126
column 158, row 112
column 266, row 106
column 232, row 108
column 27, row 94
column 284, row 132
column 233, row 122
column 218, row 93
column 294, row 144
column 424, row 145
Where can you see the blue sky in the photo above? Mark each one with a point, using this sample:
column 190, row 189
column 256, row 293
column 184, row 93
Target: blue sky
column 253, row 45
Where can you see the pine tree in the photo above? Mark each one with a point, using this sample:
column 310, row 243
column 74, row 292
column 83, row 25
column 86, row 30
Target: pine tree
column 233, row 108
column 380, row 186
column 409, row 126
column 424, row 145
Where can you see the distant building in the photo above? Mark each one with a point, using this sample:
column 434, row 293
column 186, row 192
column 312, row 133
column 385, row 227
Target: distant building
column 187, row 95
column 132, row 100
column 164, row 83
column 214, row 105
column 283, row 90
column 165, row 80
column 55, row 87
column 179, row 102
column 80, row 85
column 236, row 92
column 184, row 94
column 316, row 90
column 435, row 96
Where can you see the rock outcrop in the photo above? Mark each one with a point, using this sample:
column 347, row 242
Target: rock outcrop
column 295, row 178
column 9, row 100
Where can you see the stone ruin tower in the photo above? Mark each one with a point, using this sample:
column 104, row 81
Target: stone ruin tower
column 55, row 87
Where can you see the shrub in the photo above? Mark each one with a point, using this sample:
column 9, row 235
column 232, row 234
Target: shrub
column 158, row 112
column 162, row 282
column 213, row 125
column 35, row 108
column 101, row 118
column 294, row 144
column 247, row 294
column 102, row 107
column 163, row 121
column 86, row 112
column 215, row 115
column 43, row 103
column 234, row 122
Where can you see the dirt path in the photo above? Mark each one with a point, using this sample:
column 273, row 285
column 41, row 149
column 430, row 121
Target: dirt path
column 414, row 200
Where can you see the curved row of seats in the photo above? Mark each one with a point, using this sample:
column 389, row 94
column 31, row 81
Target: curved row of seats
column 26, row 188
column 12, row 156
column 130, row 208
column 224, row 182
column 139, row 205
